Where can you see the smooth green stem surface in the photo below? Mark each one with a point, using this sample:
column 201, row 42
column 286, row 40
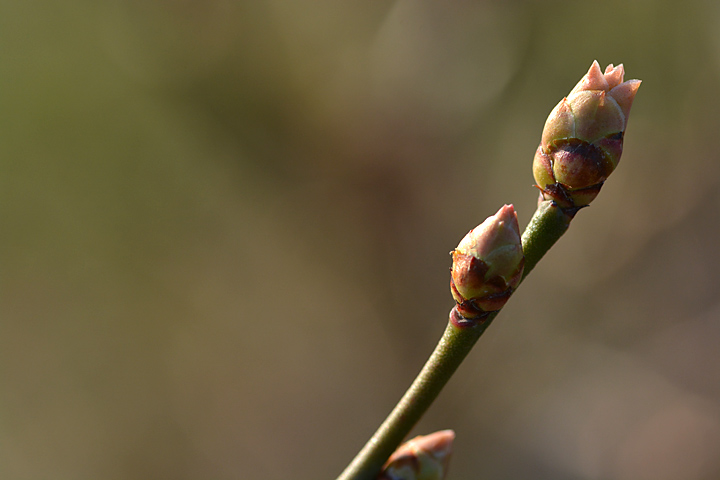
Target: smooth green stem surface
column 452, row 349
column 547, row 225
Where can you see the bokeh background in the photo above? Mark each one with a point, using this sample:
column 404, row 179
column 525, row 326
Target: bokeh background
column 225, row 234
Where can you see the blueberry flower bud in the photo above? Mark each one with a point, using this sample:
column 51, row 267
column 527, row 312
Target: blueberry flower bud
column 422, row 458
column 583, row 137
column 487, row 265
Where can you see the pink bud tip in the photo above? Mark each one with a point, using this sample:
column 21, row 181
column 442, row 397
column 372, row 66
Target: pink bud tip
column 425, row 457
column 438, row 444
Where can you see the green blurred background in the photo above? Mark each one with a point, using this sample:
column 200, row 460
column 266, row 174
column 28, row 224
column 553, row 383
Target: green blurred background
column 226, row 226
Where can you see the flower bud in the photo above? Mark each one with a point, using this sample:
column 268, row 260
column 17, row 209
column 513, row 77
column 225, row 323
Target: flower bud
column 583, row 137
column 487, row 265
column 422, row 458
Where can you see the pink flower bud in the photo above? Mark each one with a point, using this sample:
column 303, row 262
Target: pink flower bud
column 422, row 458
column 583, row 137
column 487, row 265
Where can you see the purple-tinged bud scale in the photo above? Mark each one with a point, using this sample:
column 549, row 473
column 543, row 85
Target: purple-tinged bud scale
column 583, row 137
column 487, row 265
column 422, row 458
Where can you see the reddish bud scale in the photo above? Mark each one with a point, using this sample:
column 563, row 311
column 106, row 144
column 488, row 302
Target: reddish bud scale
column 473, row 276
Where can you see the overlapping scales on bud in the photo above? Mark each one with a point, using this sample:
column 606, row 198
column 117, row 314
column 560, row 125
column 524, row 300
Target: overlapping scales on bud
column 583, row 137
column 422, row 458
column 487, row 265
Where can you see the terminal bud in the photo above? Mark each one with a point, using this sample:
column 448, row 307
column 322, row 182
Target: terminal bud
column 583, row 137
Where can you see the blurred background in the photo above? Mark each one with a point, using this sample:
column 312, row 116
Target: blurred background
column 226, row 225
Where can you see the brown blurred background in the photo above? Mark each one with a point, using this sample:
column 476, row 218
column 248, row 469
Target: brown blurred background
column 226, row 226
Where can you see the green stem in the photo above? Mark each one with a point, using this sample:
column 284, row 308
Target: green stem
column 545, row 228
column 547, row 225
column 452, row 349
